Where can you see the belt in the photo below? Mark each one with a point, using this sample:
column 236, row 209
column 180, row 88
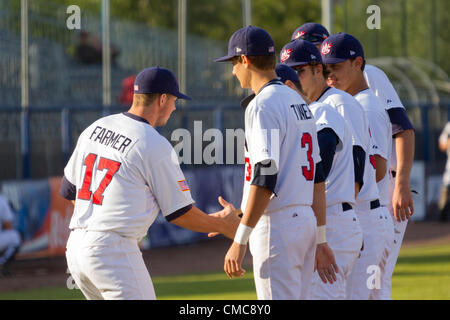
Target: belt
column 346, row 206
column 374, row 204
column 394, row 173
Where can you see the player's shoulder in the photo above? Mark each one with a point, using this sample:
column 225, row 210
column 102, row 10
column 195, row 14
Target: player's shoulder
column 373, row 72
column 369, row 101
column 270, row 98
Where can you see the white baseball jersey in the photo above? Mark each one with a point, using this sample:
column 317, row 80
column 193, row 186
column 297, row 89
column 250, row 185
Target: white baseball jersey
column 279, row 126
column 125, row 172
column 340, row 183
column 445, row 135
column 379, row 83
column 381, row 130
column 6, row 215
column 356, row 118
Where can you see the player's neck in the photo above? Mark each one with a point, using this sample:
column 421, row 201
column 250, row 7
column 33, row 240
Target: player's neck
column 260, row 78
column 145, row 113
column 319, row 89
column 358, row 84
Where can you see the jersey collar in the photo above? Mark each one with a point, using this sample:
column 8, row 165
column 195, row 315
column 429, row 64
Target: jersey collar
column 246, row 100
column 323, row 93
column 135, row 117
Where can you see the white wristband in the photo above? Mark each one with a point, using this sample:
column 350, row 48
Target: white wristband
column 321, row 234
column 242, row 234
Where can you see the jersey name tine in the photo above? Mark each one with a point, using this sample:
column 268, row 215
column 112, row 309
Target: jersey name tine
column 302, row 111
column 110, row 138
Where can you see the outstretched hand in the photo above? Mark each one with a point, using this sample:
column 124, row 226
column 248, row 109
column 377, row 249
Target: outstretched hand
column 229, row 215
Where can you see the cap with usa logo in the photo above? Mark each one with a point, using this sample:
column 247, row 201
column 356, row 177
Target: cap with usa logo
column 286, row 73
column 299, row 52
column 158, row 80
column 249, row 41
column 340, row 47
column 312, row 32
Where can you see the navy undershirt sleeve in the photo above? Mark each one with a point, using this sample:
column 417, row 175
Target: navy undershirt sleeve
column 359, row 160
column 320, row 175
column 399, row 120
column 67, row 189
column 263, row 178
column 328, row 141
column 178, row 213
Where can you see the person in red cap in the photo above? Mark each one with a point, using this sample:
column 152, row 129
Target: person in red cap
column 120, row 175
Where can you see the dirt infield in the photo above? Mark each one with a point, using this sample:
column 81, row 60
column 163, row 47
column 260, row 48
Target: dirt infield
column 195, row 258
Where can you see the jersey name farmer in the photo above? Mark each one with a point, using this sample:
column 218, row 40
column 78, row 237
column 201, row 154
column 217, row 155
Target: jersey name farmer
column 124, row 172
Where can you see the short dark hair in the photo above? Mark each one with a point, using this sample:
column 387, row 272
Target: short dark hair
column 325, row 72
column 267, row 62
column 363, row 64
column 145, row 99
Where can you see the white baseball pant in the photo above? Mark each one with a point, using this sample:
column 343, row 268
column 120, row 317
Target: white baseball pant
column 105, row 265
column 374, row 236
column 9, row 242
column 388, row 269
column 283, row 246
column 344, row 236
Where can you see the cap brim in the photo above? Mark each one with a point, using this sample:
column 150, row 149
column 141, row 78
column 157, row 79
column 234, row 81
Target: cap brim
column 182, row 96
column 295, row 64
column 225, row 58
column 326, row 60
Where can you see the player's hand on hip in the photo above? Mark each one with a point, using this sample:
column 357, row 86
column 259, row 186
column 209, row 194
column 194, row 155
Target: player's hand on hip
column 402, row 203
column 233, row 260
column 325, row 263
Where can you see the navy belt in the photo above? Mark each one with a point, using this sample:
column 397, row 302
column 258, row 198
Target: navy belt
column 346, row 206
column 374, row 204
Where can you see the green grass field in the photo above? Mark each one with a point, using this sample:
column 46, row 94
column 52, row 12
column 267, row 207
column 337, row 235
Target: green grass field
column 422, row 273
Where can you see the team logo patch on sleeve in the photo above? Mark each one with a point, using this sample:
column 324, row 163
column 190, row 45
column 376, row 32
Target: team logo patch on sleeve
column 183, row 185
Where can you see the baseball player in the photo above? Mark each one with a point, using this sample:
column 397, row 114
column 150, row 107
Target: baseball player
column 336, row 150
column 401, row 205
column 344, row 234
column 444, row 200
column 120, row 175
column 9, row 237
column 283, row 186
column 344, row 57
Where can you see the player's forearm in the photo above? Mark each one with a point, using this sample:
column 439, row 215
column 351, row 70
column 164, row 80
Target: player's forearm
column 381, row 167
column 258, row 200
column 319, row 203
column 198, row 221
column 404, row 145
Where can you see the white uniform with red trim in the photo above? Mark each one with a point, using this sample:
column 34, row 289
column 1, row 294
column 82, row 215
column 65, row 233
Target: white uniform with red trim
column 379, row 83
column 280, row 127
column 374, row 222
column 344, row 234
column 125, row 172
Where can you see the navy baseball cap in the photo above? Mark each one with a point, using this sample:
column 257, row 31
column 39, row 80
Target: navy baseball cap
column 250, row 41
column 298, row 53
column 158, row 80
column 286, row 73
column 312, row 32
column 340, row 47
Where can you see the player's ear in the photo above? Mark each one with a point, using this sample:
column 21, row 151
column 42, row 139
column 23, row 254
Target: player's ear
column 162, row 99
column 290, row 84
column 357, row 63
column 245, row 61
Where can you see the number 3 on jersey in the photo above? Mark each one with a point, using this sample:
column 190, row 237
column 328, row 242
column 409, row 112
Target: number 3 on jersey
column 307, row 142
column 112, row 166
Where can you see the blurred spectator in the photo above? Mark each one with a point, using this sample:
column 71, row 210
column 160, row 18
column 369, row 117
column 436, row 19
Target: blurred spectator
column 127, row 91
column 9, row 238
column 444, row 201
column 89, row 50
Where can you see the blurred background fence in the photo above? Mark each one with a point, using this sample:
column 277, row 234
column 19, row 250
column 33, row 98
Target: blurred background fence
column 55, row 81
